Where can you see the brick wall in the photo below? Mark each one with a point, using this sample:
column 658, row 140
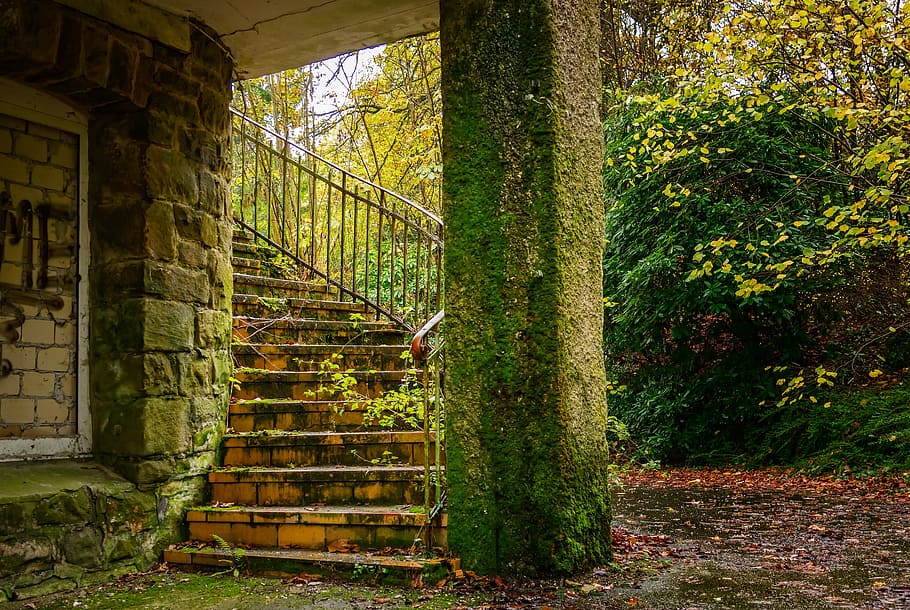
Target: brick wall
column 38, row 164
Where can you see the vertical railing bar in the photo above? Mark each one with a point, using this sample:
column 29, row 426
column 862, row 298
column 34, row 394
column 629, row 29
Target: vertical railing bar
column 284, row 197
column 255, row 189
column 366, row 250
column 242, row 171
column 429, row 304
column 381, row 213
column 311, row 188
column 343, row 235
column 297, row 216
column 393, row 239
column 417, row 276
column 328, row 228
column 354, row 243
column 404, row 271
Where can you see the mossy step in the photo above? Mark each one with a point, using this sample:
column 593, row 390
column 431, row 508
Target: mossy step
column 312, row 385
column 318, row 484
column 326, row 448
column 311, row 415
column 291, row 562
column 278, row 307
column 249, row 249
column 292, row 357
column 280, row 330
column 315, row 527
column 265, row 286
column 244, row 265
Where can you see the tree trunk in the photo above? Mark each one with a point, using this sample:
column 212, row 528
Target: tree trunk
column 526, row 411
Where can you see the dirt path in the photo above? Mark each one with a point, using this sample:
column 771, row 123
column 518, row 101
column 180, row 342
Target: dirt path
column 766, row 540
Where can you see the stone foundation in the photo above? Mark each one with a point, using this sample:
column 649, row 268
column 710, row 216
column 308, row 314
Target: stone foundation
column 65, row 524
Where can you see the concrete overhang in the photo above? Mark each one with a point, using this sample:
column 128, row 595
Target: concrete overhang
column 266, row 36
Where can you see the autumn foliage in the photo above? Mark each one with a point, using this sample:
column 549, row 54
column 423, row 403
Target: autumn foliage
column 758, row 236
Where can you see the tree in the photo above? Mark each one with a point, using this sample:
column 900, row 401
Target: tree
column 813, row 230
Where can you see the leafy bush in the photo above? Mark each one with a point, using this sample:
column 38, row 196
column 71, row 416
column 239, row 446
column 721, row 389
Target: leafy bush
column 695, row 349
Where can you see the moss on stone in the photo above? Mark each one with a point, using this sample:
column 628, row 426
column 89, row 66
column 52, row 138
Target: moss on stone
column 526, row 411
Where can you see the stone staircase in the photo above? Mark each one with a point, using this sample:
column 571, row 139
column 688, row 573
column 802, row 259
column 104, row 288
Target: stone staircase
column 306, row 484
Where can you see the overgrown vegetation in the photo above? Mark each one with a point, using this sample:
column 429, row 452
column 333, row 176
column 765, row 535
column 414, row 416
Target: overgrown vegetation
column 756, row 275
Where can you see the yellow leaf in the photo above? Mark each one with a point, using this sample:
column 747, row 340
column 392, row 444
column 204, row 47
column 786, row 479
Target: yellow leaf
column 875, row 373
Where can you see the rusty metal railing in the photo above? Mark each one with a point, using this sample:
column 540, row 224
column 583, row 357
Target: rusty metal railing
column 374, row 246
column 427, row 352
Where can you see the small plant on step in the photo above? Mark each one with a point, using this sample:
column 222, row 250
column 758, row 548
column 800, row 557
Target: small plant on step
column 236, row 556
column 387, row 459
column 274, row 304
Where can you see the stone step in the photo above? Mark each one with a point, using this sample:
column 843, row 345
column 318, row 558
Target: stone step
column 249, row 266
column 315, row 527
column 318, row 484
column 292, row 562
column 248, row 249
column 318, row 357
column 280, row 307
column 312, row 385
column 325, row 449
column 295, row 330
column 254, row 415
column 265, row 286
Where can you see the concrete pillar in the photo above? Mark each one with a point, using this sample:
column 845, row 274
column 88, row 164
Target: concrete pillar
column 526, row 410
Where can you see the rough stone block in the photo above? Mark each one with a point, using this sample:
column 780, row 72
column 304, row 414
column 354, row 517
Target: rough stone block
column 115, row 231
column 191, row 253
column 159, row 376
column 160, row 233
column 170, row 176
column 16, row 518
column 115, row 379
column 195, row 375
column 223, row 368
column 96, row 53
column 83, row 548
column 213, row 329
column 66, row 507
column 176, row 282
column 209, row 231
column 121, row 68
column 167, row 326
column 213, row 107
column 6, row 143
column 69, row 48
column 148, row 426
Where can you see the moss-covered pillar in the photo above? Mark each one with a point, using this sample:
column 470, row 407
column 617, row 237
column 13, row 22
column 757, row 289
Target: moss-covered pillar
column 526, row 410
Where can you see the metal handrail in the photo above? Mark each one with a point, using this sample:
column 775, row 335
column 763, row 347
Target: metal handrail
column 375, row 246
column 429, row 359
column 419, row 349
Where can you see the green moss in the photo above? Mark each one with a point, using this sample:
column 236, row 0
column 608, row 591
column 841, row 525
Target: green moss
column 526, row 461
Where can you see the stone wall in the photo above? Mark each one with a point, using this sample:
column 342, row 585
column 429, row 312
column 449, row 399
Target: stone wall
column 37, row 380
column 160, row 231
